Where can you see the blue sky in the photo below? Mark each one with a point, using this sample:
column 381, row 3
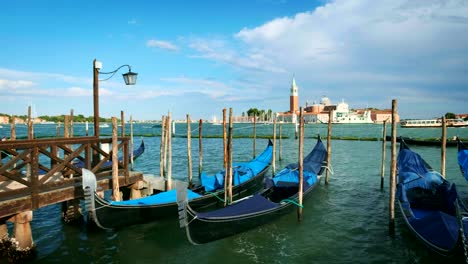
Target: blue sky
column 198, row 57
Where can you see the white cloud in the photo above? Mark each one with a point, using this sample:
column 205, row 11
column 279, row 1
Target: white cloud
column 153, row 43
column 15, row 84
column 362, row 48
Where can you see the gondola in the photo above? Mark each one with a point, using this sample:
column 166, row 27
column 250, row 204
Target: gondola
column 116, row 214
column 424, row 142
column 279, row 197
column 428, row 203
column 463, row 158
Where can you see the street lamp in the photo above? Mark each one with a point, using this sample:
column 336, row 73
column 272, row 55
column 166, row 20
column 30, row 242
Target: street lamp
column 129, row 78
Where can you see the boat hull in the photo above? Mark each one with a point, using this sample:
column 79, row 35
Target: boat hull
column 108, row 216
column 201, row 231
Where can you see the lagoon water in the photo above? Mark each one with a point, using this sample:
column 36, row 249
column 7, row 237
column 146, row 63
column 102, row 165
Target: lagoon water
column 344, row 222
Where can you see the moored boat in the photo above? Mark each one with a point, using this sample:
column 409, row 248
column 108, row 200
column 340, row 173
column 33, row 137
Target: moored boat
column 436, row 142
column 279, row 197
column 117, row 214
column 462, row 158
column 428, row 203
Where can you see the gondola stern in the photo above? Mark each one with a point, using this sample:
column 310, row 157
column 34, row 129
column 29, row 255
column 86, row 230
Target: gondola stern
column 183, row 207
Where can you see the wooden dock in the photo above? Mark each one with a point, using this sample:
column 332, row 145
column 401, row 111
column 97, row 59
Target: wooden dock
column 40, row 172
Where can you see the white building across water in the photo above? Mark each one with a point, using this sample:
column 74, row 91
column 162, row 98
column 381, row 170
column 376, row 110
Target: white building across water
column 319, row 112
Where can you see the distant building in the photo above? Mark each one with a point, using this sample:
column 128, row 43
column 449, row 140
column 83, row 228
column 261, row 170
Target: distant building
column 319, row 113
column 462, row 116
column 4, row 119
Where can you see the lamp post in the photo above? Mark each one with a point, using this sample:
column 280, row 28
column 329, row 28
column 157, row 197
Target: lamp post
column 129, row 78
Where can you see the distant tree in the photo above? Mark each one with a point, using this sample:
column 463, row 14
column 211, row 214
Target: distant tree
column 450, row 115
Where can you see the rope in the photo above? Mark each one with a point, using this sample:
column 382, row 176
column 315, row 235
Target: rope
column 214, row 194
column 329, row 168
column 293, row 202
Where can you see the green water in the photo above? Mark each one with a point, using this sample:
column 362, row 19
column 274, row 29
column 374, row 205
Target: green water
column 344, row 222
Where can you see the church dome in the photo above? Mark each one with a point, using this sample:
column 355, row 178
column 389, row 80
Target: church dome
column 325, row 101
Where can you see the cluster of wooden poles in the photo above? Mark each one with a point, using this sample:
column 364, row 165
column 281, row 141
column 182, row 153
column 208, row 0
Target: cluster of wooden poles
column 166, row 152
column 393, row 164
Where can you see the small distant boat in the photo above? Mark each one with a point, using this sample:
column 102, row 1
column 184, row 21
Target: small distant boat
column 463, row 158
column 104, row 125
column 279, row 197
column 436, row 142
column 422, row 123
column 215, row 122
column 429, row 203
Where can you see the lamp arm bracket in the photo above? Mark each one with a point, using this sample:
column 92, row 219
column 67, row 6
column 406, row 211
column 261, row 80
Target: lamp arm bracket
column 113, row 72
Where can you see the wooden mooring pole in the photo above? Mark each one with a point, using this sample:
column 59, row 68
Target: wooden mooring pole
column 13, row 128
column 122, row 123
column 71, row 123
column 300, row 164
column 22, row 229
column 384, row 150
column 273, row 160
column 443, row 149
column 391, row 206
column 115, row 162
column 280, row 155
column 189, row 152
column 200, row 149
column 169, row 153
column 327, row 172
column 254, row 135
column 161, row 147
column 229, row 169
column 224, row 143
column 131, row 142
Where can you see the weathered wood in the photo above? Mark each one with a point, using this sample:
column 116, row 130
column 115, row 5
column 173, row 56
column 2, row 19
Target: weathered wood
column 71, row 123
column 17, row 201
column 131, row 141
column 66, row 126
column 226, row 155
column 229, row 165
column 3, row 231
column 384, row 151
column 122, row 123
column 13, row 128
column 280, row 157
column 200, row 149
column 443, row 149
column 224, row 142
column 327, row 172
column 22, row 229
column 273, row 160
column 115, row 162
column 300, row 163
column 189, row 151
column 161, row 147
column 29, row 123
column 166, row 145
column 169, row 154
column 391, row 206
column 254, row 135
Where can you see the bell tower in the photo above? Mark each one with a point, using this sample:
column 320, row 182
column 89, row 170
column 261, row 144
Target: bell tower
column 293, row 98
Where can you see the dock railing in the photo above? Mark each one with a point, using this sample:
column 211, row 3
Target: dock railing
column 36, row 172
